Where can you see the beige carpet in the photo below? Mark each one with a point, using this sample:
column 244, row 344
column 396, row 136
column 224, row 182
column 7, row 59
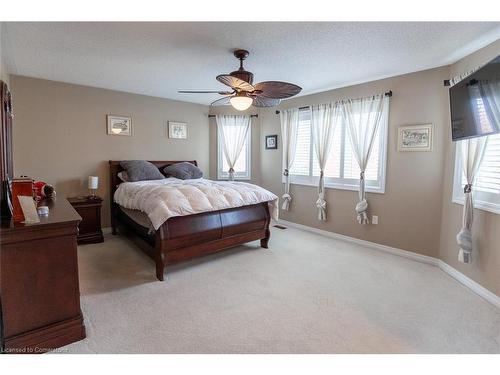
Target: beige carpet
column 306, row 294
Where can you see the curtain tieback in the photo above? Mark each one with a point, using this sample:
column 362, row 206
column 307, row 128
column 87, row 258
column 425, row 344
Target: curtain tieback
column 362, row 175
column 467, row 188
column 321, row 203
column 231, row 170
column 361, row 207
column 464, row 240
column 287, row 199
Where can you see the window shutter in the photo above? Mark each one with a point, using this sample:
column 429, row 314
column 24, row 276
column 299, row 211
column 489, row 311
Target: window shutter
column 488, row 178
column 302, row 155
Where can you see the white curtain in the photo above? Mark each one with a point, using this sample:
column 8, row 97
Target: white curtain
column 233, row 130
column 490, row 94
column 324, row 119
column 471, row 153
column 289, row 125
column 363, row 118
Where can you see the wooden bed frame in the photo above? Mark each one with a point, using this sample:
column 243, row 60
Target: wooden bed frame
column 185, row 237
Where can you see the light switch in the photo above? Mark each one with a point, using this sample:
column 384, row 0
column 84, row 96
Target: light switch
column 374, row 219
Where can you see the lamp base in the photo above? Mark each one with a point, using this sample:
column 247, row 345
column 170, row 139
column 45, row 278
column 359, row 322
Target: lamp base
column 92, row 194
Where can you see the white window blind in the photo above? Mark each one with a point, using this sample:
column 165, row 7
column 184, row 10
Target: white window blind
column 488, row 178
column 341, row 170
column 301, row 163
column 486, row 188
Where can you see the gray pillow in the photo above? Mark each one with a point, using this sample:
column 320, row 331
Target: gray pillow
column 141, row 170
column 184, row 171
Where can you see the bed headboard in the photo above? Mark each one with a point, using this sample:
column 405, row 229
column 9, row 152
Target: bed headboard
column 115, row 168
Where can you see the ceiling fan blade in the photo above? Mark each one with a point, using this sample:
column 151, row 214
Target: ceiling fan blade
column 277, row 89
column 259, row 101
column 205, row 92
column 235, row 83
column 221, row 101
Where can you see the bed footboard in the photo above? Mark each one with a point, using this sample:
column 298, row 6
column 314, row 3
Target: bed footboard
column 187, row 237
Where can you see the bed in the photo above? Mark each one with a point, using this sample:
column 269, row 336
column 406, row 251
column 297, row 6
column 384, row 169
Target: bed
column 186, row 237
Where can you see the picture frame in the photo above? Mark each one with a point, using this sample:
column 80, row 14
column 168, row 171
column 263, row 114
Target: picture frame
column 119, row 125
column 415, row 138
column 177, row 130
column 272, row 142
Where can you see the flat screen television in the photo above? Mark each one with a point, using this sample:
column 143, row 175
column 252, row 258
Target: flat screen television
column 475, row 103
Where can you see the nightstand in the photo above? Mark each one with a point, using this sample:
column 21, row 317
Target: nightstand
column 89, row 208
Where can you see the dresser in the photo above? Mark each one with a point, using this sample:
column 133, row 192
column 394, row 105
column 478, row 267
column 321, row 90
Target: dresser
column 89, row 208
column 39, row 289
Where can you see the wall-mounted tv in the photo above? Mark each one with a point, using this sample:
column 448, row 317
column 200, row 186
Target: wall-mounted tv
column 475, row 103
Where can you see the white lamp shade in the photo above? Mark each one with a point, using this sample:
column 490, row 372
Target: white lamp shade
column 241, row 102
column 93, row 182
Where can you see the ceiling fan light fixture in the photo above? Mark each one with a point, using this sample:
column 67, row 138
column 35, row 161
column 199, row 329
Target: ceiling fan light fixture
column 241, row 102
column 244, row 94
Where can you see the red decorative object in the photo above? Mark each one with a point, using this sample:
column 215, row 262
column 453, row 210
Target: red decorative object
column 43, row 190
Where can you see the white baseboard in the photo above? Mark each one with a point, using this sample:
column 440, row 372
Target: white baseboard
column 469, row 283
column 388, row 249
column 445, row 267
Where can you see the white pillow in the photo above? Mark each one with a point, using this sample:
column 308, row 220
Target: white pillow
column 123, row 176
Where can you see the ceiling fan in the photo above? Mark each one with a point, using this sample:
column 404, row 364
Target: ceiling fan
column 243, row 93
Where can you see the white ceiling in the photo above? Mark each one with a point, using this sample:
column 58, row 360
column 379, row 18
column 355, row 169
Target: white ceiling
column 160, row 58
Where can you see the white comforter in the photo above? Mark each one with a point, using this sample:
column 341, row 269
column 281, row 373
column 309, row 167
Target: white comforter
column 163, row 199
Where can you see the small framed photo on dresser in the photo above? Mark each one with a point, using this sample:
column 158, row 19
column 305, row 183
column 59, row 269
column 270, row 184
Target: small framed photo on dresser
column 271, row 142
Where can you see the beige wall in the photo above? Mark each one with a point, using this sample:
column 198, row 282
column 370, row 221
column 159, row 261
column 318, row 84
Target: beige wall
column 485, row 268
column 4, row 76
column 255, row 174
column 410, row 210
column 60, row 136
column 60, row 133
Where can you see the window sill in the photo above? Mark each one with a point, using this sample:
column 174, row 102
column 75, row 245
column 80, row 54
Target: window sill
column 481, row 205
column 222, row 178
column 368, row 189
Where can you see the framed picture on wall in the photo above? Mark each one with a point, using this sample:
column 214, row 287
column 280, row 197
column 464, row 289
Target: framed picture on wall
column 271, row 142
column 415, row 138
column 177, row 130
column 119, row 125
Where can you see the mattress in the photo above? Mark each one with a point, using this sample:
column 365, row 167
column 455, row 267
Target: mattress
column 138, row 217
column 170, row 197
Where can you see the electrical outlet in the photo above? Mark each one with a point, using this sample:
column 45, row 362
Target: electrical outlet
column 374, row 219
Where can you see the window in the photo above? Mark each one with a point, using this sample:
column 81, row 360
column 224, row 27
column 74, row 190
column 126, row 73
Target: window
column 486, row 189
column 342, row 171
column 242, row 166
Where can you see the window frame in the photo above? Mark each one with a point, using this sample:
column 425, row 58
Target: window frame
column 224, row 175
column 481, row 200
column 348, row 183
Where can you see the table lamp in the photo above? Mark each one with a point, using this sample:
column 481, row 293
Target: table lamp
column 93, row 184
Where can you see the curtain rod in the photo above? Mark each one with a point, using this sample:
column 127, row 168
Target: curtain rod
column 388, row 94
column 250, row 116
